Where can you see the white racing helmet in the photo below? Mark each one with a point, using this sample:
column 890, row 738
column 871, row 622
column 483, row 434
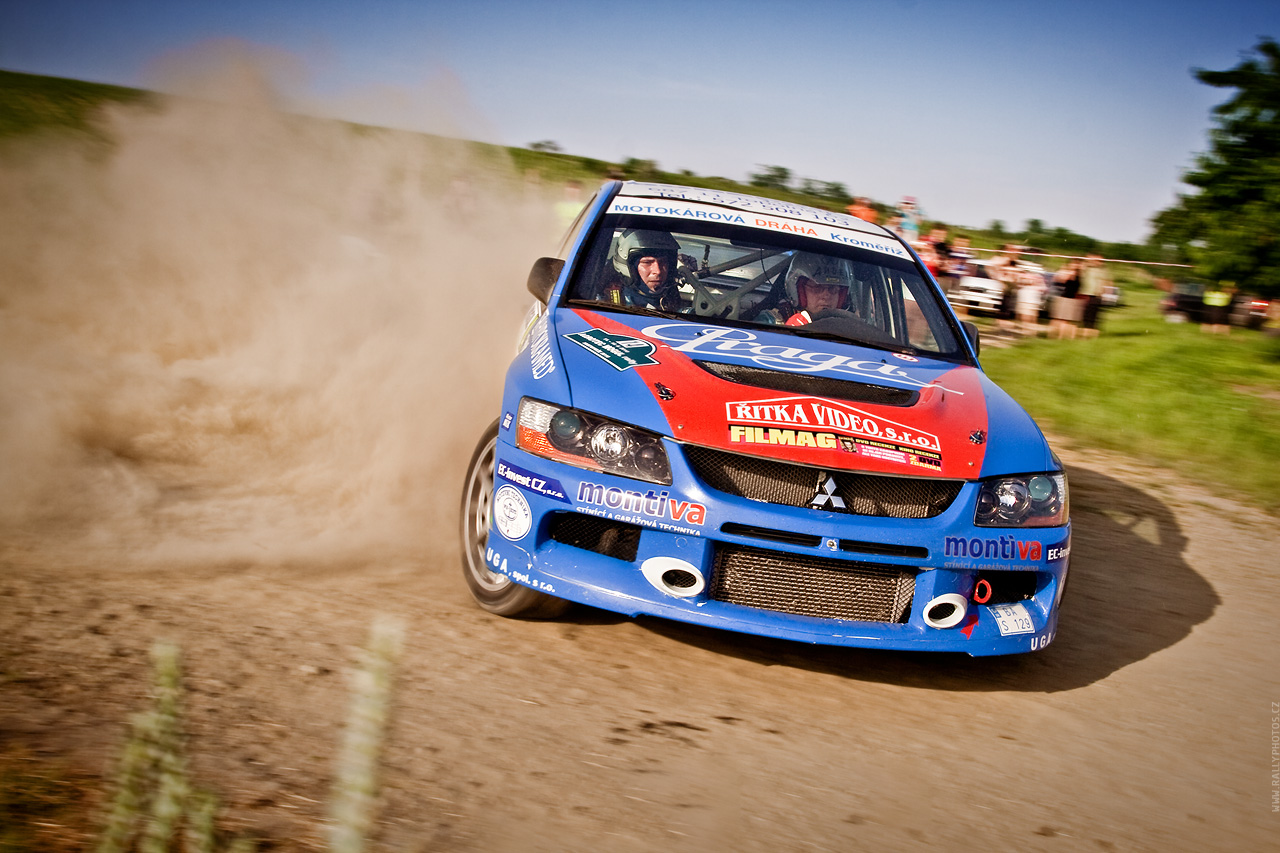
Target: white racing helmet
column 820, row 269
column 634, row 244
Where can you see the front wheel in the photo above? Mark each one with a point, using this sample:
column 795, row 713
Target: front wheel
column 492, row 590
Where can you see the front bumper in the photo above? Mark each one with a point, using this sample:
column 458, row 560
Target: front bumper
column 786, row 563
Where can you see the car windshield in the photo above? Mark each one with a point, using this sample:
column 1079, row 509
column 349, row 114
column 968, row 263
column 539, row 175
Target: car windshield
column 741, row 276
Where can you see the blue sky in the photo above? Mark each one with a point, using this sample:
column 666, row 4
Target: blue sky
column 1082, row 114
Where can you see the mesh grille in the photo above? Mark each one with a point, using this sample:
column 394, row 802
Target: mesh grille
column 816, row 386
column 611, row 538
column 795, row 485
column 812, row 586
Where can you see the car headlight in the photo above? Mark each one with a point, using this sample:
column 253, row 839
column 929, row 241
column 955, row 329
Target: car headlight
column 1027, row 500
column 591, row 441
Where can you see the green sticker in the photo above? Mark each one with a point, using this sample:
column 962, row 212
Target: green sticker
column 619, row 350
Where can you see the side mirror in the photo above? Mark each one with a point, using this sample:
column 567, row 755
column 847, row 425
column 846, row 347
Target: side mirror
column 970, row 331
column 543, row 277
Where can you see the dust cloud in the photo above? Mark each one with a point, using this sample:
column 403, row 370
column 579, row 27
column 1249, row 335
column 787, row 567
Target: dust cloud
column 236, row 334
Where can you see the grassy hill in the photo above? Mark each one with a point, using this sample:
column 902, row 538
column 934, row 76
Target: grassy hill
column 30, row 103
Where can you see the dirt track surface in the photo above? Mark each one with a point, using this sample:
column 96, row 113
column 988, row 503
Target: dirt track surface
column 1146, row 725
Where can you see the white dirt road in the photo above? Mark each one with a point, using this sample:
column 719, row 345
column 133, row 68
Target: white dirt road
column 1146, row 725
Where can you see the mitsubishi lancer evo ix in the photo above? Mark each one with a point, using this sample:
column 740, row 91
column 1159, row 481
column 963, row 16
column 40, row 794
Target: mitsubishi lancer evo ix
column 762, row 417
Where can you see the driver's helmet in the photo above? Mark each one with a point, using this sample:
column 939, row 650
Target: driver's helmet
column 820, row 269
column 634, row 244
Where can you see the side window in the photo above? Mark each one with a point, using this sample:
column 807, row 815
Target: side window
column 919, row 335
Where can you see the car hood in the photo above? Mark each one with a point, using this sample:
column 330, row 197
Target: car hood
column 802, row 400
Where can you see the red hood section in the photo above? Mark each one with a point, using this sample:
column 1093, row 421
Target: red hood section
column 942, row 435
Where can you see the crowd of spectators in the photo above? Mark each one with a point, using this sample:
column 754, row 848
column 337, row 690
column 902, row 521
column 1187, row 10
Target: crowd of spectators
column 1072, row 297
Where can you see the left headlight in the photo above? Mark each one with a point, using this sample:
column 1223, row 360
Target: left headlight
column 591, row 441
column 1027, row 500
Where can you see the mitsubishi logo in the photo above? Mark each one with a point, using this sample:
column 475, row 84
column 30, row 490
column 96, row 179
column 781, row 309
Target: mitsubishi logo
column 826, row 498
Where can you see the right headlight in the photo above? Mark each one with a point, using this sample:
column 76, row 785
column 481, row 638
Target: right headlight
column 1026, row 500
column 591, row 441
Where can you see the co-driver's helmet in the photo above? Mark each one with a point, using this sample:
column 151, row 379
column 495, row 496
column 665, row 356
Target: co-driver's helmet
column 634, row 244
column 820, row 269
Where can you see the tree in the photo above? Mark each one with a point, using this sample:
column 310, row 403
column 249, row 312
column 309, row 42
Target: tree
column 638, row 169
column 774, row 177
column 1229, row 226
column 548, row 145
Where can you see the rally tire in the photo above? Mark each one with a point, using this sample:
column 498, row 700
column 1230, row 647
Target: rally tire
column 492, row 590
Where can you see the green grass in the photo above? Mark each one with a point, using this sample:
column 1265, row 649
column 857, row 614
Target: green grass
column 31, row 103
column 1205, row 405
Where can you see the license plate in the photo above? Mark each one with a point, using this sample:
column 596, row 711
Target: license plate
column 1012, row 619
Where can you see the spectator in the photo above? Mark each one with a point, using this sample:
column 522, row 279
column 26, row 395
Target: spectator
column 930, row 257
column 1065, row 311
column 862, row 209
column 1094, row 279
column 1217, row 309
column 1004, row 269
column 1029, row 299
column 960, row 260
column 941, row 250
column 910, row 215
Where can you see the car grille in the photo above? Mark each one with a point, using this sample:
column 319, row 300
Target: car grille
column 817, row 386
column 615, row 539
column 812, row 586
column 795, row 485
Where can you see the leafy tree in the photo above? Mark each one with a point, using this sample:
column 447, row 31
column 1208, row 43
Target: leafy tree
column 774, row 177
column 1229, row 227
column 644, row 170
column 548, row 145
column 829, row 190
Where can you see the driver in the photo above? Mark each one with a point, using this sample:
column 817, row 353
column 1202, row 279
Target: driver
column 813, row 283
column 643, row 267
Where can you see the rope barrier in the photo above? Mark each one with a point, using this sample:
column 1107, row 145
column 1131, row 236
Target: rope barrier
column 1081, row 258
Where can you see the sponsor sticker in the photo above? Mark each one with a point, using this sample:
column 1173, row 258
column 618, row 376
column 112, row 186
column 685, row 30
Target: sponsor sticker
column 764, row 222
column 621, row 351
column 829, row 425
column 651, row 508
column 540, row 358
column 1012, row 619
column 511, row 514
column 685, row 202
column 742, row 345
column 530, row 481
column 1000, row 548
column 506, row 421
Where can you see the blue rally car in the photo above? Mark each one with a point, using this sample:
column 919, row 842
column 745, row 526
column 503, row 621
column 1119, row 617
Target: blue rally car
column 762, row 417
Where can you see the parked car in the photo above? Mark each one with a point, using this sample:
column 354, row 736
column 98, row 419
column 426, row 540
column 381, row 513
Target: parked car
column 709, row 446
column 1185, row 302
column 1249, row 310
column 977, row 294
